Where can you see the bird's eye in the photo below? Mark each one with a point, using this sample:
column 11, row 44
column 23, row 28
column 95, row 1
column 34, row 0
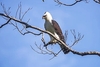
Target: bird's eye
column 44, row 15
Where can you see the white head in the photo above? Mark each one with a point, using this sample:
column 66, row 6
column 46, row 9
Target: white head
column 47, row 16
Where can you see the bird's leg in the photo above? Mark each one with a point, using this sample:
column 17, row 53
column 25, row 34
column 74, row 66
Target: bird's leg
column 51, row 42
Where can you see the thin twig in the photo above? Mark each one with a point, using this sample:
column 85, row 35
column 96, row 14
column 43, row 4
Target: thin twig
column 76, row 38
column 7, row 12
column 60, row 3
column 47, row 32
column 5, row 23
column 66, row 35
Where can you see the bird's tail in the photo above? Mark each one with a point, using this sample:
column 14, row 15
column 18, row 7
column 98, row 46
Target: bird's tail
column 64, row 49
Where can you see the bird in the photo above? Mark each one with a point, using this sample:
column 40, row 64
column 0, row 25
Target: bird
column 53, row 27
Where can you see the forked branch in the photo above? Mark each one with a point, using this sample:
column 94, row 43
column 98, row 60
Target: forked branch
column 36, row 28
column 42, row 48
column 59, row 2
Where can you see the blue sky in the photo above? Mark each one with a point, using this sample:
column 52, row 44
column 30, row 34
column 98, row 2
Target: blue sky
column 15, row 50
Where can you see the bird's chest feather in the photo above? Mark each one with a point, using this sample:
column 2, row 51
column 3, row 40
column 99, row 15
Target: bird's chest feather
column 49, row 27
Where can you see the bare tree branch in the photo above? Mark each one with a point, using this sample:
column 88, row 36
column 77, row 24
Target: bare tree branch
column 86, row 53
column 97, row 1
column 77, row 38
column 43, row 48
column 74, row 3
column 27, row 31
column 44, row 51
column 36, row 28
column 5, row 23
column 19, row 10
column 60, row 3
column 66, row 35
column 7, row 12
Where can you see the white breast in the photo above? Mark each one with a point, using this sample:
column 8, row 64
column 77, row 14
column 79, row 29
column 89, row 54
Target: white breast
column 49, row 27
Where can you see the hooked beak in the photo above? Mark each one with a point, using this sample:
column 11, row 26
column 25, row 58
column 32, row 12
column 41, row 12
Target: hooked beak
column 43, row 17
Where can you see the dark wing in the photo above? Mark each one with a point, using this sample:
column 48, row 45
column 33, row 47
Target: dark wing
column 58, row 30
column 60, row 34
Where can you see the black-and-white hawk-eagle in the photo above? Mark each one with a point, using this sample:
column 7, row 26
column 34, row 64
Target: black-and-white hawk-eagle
column 53, row 27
